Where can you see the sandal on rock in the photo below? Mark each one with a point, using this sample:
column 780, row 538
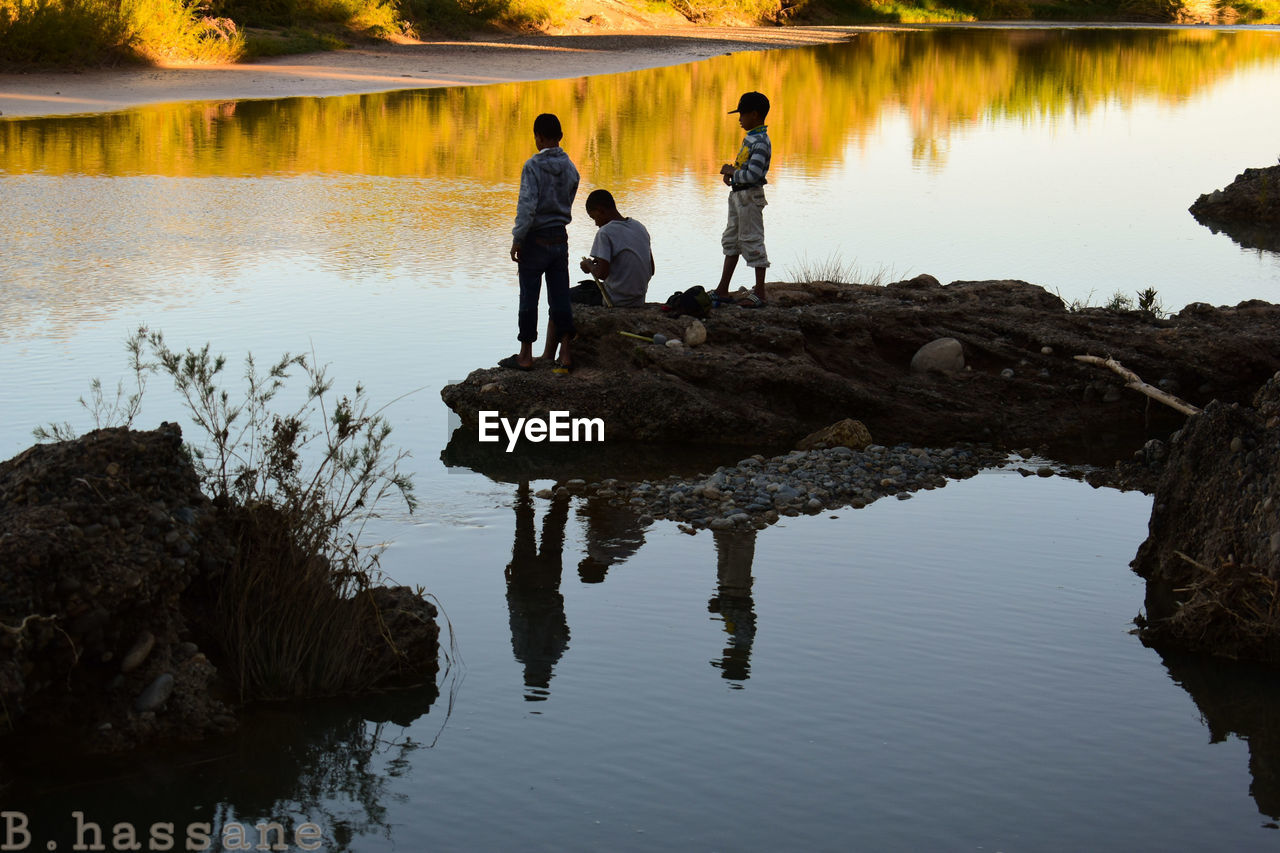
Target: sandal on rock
column 753, row 300
column 561, row 369
column 513, row 362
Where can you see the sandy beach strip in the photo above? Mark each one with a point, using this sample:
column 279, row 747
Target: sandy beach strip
column 394, row 66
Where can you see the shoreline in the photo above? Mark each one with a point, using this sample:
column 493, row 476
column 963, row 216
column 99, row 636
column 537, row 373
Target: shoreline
column 437, row 63
column 389, row 67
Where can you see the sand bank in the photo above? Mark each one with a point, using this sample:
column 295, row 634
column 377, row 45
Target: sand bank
column 394, row 66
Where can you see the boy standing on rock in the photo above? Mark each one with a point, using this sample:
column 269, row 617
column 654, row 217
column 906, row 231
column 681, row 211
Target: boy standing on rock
column 745, row 177
column 540, row 244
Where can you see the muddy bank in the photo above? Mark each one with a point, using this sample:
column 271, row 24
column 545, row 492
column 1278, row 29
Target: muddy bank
column 1247, row 210
column 825, row 352
column 1212, row 558
column 110, row 557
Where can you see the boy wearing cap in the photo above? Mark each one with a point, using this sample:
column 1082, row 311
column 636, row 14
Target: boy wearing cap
column 540, row 244
column 745, row 177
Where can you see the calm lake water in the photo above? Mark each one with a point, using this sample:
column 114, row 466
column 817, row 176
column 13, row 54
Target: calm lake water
column 950, row 672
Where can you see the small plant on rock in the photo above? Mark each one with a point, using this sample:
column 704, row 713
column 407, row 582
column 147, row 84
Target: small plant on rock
column 836, row 270
column 117, row 412
column 1149, row 304
column 1119, row 302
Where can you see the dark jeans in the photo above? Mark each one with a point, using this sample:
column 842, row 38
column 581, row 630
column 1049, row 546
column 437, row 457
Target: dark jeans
column 544, row 255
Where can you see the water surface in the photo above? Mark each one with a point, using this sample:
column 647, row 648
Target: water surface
column 950, row 672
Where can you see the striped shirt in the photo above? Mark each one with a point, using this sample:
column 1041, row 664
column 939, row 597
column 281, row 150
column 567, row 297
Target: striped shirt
column 753, row 158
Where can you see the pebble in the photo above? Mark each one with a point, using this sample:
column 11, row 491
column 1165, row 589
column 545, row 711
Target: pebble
column 758, row 491
column 156, row 694
column 136, row 655
column 1007, row 373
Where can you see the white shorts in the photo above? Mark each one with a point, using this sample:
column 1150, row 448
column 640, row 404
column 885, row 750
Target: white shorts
column 744, row 235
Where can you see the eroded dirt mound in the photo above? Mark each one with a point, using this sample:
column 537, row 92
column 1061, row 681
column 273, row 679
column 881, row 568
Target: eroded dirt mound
column 98, row 540
column 111, row 562
column 825, row 352
column 1212, row 557
column 1247, row 209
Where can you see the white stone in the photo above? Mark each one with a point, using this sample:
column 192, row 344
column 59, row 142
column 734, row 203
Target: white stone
column 944, row 355
column 695, row 334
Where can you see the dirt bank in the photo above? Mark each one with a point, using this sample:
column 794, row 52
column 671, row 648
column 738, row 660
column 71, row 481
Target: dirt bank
column 111, row 561
column 1212, row 559
column 825, row 352
column 385, row 67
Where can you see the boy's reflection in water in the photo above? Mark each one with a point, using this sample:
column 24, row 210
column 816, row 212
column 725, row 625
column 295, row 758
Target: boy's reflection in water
column 735, row 552
column 613, row 534
column 539, row 629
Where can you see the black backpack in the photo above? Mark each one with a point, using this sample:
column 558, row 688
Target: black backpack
column 695, row 302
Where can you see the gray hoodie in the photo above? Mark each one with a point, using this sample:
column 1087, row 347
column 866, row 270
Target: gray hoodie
column 548, row 184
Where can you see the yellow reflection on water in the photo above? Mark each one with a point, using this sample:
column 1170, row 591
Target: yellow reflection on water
column 658, row 121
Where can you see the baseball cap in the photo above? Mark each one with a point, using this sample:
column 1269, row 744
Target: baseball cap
column 752, row 102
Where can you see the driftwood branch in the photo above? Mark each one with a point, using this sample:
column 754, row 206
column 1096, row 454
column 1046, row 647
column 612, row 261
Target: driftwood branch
column 1132, row 380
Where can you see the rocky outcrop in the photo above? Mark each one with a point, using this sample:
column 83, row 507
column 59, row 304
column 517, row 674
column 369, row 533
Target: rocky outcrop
column 821, row 353
column 1247, row 209
column 1212, row 557
column 99, row 538
column 110, row 560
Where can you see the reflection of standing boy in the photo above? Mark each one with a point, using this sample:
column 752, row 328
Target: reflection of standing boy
column 540, row 242
column 744, row 234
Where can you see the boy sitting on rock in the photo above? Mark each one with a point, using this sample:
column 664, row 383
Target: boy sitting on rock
column 621, row 257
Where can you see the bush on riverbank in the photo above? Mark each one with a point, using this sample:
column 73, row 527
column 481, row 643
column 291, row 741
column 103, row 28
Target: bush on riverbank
column 74, row 33
column 277, row 586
